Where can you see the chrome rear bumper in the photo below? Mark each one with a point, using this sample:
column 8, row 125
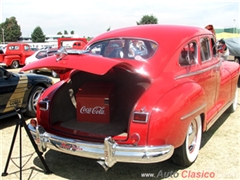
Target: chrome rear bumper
column 3, row 64
column 110, row 152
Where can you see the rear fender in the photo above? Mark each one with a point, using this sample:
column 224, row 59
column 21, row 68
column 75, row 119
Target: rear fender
column 1, row 58
column 49, row 95
column 10, row 58
column 172, row 114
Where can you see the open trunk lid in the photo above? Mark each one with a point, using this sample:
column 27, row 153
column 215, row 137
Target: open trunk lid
column 78, row 60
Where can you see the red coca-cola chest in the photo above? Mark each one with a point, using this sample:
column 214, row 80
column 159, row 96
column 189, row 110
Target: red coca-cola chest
column 93, row 102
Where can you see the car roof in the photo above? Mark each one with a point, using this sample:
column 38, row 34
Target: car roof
column 46, row 50
column 168, row 37
column 52, row 50
column 155, row 32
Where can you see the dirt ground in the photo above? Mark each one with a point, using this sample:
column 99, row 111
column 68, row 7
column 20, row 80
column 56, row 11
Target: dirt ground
column 219, row 158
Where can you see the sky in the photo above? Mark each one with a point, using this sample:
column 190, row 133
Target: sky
column 90, row 18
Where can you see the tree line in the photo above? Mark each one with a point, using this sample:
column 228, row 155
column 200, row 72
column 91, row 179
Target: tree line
column 10, row 31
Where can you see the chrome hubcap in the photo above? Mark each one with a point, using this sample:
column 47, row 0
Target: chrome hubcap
column 192, row 136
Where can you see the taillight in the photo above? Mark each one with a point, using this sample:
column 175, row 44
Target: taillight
column 140, row 117
column 135, row 138
column 44, row 105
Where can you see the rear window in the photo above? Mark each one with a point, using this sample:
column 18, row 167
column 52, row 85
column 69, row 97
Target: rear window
column 138, row 49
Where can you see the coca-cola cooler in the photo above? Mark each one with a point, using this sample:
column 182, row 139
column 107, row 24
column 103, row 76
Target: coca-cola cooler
column 93, row 102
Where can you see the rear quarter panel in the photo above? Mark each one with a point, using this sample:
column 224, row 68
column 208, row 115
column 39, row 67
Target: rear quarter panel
column 43, row 117
column 8, row 59
column 1, row 57
column 173, row 112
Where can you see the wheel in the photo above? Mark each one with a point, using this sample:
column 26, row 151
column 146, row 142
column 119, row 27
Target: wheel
column 187, row 153
column 233, row 106
column 33, row 99
column 15, row 64
column 54, row 74
column 33, row 71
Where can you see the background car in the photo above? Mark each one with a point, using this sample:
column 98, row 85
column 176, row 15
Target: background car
column 233, row 45
column 39, row 55
column 20, row 91
column 34, row 49
column 115, row 106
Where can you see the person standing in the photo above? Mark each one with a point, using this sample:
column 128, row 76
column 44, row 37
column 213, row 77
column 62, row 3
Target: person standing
column 222, row 49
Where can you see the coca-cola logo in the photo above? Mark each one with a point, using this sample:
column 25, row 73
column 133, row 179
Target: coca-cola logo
column 94, row 110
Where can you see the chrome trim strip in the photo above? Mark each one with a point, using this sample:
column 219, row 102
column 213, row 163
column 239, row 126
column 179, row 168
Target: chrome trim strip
column 109, row 151
column 193, row 112
column 198, row 72
column 218, row 115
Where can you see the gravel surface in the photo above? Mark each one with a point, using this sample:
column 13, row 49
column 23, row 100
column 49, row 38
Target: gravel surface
column 219, row 158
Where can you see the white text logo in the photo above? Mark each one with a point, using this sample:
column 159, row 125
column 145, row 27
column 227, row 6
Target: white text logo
column 94, row 110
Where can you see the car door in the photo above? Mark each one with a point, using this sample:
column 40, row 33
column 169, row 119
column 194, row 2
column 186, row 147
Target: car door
column 210, row 66
column 11, row 91
column 27, row 51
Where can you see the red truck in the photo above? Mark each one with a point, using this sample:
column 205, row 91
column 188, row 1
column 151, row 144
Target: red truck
column 77, row 43
column 15, row 55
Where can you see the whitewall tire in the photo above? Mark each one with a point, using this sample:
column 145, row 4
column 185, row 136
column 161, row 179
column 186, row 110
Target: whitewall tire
column 187, row 153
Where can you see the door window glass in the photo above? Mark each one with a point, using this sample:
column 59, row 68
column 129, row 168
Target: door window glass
column 188, row 55
column 205, row 50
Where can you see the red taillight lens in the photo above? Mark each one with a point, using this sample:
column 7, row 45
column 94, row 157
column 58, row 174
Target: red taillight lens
column 140, row 117
column 135, row 138
column 43, row 105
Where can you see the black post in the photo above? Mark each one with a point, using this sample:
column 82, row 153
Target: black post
column 11, row 148
column 21, row 123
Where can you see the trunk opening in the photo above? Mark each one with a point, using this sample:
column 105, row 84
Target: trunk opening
column 126, row 90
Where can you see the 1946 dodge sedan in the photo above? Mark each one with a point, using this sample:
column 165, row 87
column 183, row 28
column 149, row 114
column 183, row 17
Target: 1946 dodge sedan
column 140, row 94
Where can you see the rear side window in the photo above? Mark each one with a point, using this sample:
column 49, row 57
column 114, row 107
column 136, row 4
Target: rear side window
column 205, row 50
column 13, row 47
column 188, row 55
column 50, row 53
column 213, row 46
column 137, row 49
column 41, row 54
column 26, row 48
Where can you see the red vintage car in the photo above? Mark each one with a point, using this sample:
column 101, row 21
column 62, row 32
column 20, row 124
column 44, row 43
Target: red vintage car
column 140, row 94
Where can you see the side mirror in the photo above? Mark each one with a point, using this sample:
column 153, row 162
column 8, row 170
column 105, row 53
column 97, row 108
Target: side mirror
column 7, row 75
